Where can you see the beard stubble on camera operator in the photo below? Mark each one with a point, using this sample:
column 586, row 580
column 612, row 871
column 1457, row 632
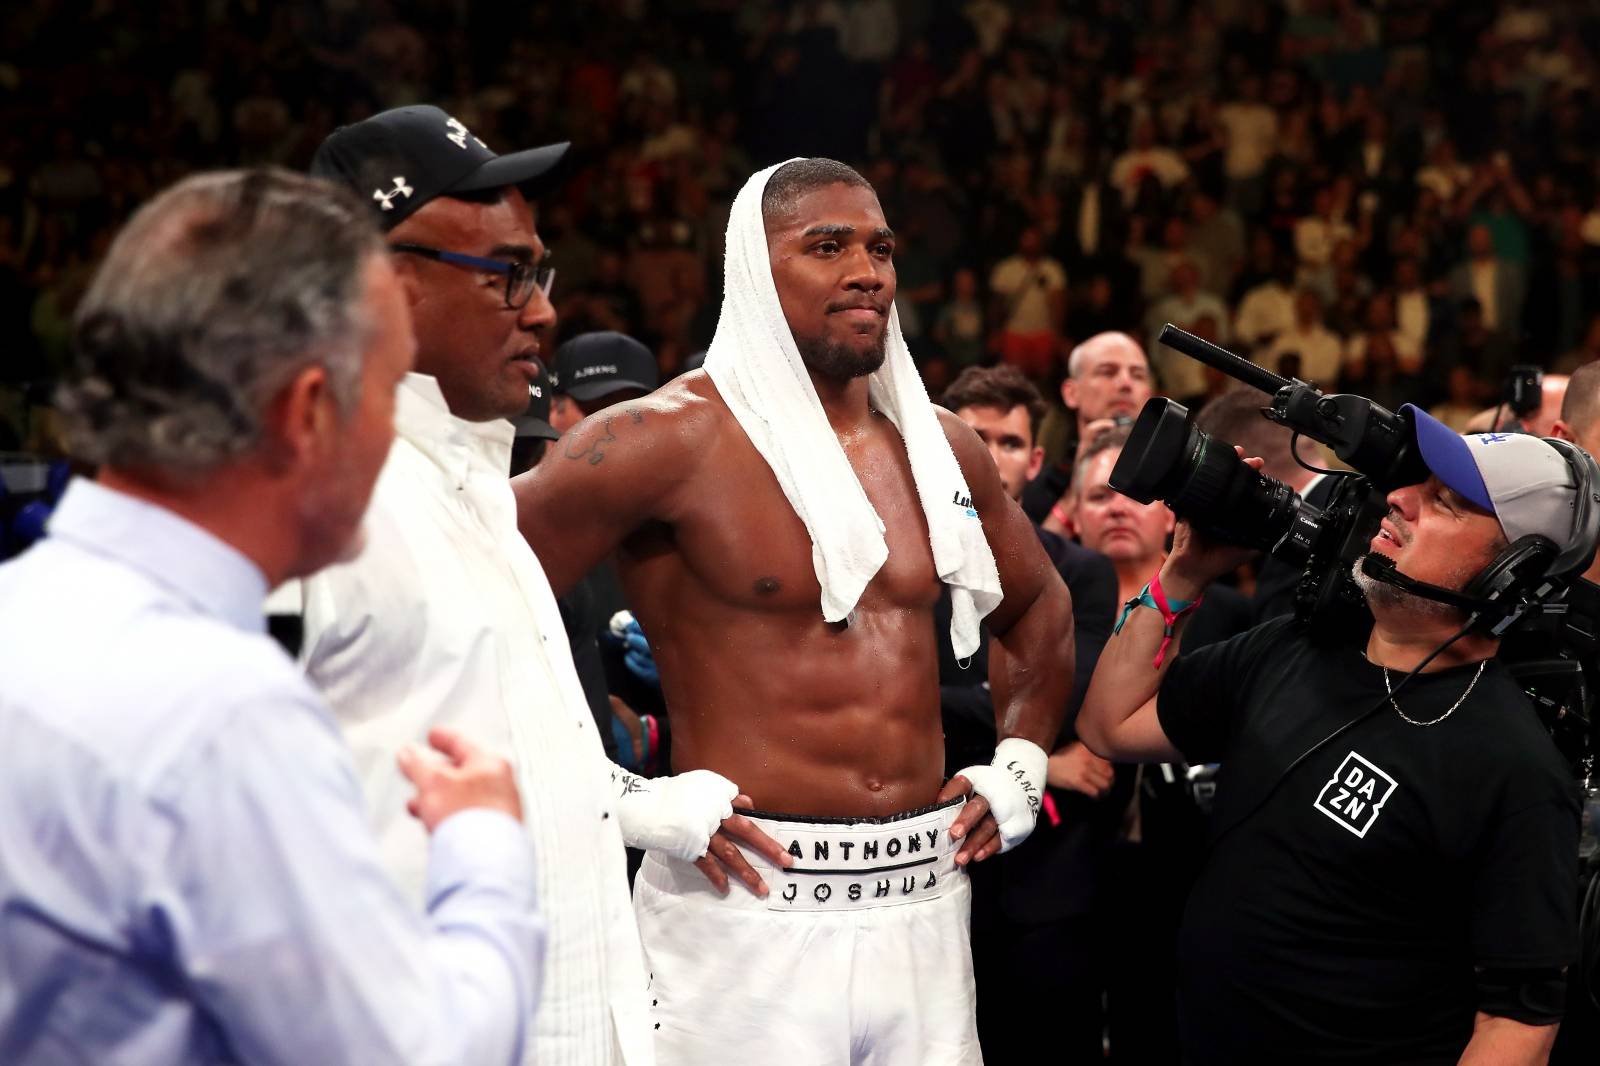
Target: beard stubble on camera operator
column 1435, row 536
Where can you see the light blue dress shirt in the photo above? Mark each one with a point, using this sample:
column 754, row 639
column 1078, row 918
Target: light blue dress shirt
column 186, row 871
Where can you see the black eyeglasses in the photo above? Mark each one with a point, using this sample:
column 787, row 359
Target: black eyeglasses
column 521, row 278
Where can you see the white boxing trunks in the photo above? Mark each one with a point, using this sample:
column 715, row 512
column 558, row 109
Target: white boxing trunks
column 859, row 956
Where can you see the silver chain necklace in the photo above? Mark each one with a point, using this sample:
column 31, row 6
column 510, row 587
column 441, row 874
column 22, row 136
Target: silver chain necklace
column 1446, row 714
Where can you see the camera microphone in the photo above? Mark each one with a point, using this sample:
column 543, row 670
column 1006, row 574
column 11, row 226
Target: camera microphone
column 1382, row 568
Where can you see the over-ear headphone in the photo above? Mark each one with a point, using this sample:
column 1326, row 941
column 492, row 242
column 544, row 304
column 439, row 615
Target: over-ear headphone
column 1534, row 567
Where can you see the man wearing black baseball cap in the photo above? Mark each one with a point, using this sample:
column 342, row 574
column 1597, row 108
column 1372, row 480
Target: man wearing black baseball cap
column 595, row 370
column 533, row 429
column 447, row 618
column 458, row 219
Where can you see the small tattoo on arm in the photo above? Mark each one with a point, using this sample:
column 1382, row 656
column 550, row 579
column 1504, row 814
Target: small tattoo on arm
column 594, row 451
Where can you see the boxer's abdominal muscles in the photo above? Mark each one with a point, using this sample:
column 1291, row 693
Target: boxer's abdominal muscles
column 804, row 715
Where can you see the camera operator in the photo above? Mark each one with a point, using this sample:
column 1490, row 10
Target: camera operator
column 1401, row 892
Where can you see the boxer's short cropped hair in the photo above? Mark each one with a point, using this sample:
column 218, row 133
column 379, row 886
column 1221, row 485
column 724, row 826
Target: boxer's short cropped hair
column 209, row 301
column 793, row 180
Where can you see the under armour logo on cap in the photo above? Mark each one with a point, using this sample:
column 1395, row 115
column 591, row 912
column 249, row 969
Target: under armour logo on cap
column 403, row 158
column 458, row 133
column 387, row 198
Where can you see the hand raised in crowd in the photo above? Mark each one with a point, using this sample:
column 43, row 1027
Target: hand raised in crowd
column 467, row 777
column 1078, row 769
column 722, row 856
column 1092, row 431
column 1059, row 521
column 1197, row 560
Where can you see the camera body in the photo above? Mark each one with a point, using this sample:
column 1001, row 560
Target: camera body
column 1205, row 483
column 1523, row 390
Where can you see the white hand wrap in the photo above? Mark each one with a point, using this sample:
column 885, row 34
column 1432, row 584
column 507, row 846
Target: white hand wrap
column 676, row 815
column 1014, row 786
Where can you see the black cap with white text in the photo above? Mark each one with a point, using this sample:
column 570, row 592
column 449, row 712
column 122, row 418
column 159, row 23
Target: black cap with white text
column 592, row 365
column 402, row 158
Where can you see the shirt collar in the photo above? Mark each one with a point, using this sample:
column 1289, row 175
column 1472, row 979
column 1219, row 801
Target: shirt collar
column 208, row 572
column 454, row 445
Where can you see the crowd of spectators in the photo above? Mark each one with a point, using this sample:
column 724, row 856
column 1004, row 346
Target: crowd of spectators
column 1393, row 196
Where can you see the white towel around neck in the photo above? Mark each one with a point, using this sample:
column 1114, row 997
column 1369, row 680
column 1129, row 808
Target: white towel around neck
column 758, row 370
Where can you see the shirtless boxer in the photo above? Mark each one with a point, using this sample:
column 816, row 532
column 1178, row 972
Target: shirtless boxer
column 839, row 720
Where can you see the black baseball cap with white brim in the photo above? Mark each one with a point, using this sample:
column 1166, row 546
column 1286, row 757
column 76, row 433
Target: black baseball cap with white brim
column 400, row 159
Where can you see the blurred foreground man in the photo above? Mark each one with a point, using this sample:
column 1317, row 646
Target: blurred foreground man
column 186, row 871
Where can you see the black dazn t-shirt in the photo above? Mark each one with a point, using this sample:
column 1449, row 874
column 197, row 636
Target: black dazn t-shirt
column 1342, row 921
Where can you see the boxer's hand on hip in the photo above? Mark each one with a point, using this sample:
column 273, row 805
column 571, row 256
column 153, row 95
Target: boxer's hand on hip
column 975, row 828
column 1010, row 790
column 723, row 856
column 676, row 815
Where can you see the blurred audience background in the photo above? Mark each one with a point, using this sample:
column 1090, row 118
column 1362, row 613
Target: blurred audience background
column 1394, row 196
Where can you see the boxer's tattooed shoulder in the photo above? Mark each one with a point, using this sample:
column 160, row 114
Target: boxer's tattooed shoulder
column 591, row 447
column 595, row 449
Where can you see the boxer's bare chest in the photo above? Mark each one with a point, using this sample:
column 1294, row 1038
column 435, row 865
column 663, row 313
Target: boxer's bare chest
column 736, row 538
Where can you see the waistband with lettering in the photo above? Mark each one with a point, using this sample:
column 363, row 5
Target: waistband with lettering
column 856, row 863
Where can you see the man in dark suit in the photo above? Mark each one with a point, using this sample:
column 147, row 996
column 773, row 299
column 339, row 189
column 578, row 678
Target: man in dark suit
column 1033, row 935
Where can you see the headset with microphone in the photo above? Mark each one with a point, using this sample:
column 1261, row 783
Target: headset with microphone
column 1530, row 572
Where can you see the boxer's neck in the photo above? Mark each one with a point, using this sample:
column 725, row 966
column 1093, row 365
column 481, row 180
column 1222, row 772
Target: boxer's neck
column 844, row 401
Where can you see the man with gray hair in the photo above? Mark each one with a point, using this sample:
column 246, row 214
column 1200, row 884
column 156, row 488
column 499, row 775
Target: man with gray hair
column 1108, row 378
column 186, row 872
